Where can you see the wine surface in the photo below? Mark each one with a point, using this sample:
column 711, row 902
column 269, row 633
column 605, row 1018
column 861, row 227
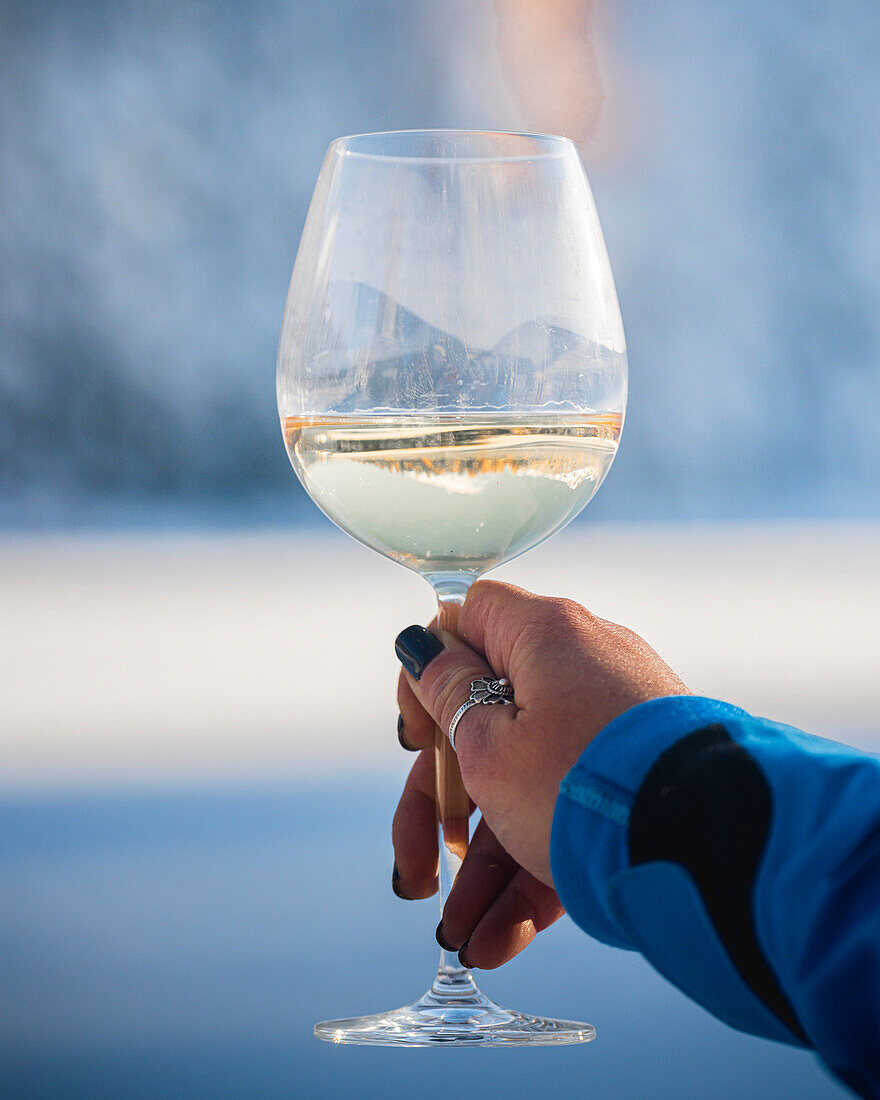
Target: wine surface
column 448, row 492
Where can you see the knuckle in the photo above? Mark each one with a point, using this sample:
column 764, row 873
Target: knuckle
column 522, row 902
column 573, row 614
column 492, row 603
column 412, row 802
column 541, row 618
column 558, row 619
column 489, row 591
column 547, row 910
column 548, row 617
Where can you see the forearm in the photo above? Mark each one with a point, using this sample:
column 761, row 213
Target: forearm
column 743, row 859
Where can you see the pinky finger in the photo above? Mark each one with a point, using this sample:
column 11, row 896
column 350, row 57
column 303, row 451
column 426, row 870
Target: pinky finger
column 522, row 909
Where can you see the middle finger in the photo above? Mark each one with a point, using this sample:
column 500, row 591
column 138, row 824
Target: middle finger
column 414, row 833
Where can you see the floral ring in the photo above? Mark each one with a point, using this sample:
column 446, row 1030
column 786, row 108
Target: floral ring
column 484, row 692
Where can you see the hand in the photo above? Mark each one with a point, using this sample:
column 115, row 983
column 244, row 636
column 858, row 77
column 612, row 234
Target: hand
column 572, row 673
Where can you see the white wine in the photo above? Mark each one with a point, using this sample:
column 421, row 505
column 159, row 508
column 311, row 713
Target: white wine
column 452, row 493
column 441, row 493
column 448, row 493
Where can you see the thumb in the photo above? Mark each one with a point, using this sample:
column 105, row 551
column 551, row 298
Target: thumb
column 440, row 668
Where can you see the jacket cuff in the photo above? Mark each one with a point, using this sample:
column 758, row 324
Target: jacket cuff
column 589, row 842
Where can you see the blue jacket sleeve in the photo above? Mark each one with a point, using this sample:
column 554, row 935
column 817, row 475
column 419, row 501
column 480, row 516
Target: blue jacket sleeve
column 742, row 858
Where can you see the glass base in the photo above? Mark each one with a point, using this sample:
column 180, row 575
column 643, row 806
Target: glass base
column 453, row 1013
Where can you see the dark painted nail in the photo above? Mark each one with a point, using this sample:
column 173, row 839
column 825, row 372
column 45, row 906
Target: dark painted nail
column 461, row 957
column 395, row 884
column 416, row 648
column 401, row 738
column 439, row 934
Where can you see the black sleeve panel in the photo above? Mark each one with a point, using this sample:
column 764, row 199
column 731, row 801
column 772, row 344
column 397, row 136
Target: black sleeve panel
column 706, row 805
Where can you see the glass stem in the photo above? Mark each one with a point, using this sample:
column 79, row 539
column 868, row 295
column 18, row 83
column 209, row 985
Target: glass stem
column 453, row 806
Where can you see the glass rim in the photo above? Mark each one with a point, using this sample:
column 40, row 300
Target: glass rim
column 558, row 146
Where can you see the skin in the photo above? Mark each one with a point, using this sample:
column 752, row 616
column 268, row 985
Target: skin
column 572, row 673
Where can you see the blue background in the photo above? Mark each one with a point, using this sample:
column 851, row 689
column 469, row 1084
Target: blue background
column 184, row 945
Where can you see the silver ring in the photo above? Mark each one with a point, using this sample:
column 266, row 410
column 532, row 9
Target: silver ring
column 484, row 692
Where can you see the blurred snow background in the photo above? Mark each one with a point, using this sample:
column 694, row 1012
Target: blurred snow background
column 157, row 162
column 215, row 657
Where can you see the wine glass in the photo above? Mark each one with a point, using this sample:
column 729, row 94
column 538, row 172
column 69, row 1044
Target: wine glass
column 451, row 386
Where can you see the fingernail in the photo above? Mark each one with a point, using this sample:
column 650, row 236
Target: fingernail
column 461, row 957
column 400, row 736
column 441, row 940
column 416, row 648
column 395, row 884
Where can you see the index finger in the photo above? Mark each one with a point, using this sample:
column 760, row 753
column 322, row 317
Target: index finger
column 442, row 671
column 524, row 637
column 495, row 618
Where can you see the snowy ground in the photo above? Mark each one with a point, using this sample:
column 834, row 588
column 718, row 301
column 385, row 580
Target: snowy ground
column 206, row 657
